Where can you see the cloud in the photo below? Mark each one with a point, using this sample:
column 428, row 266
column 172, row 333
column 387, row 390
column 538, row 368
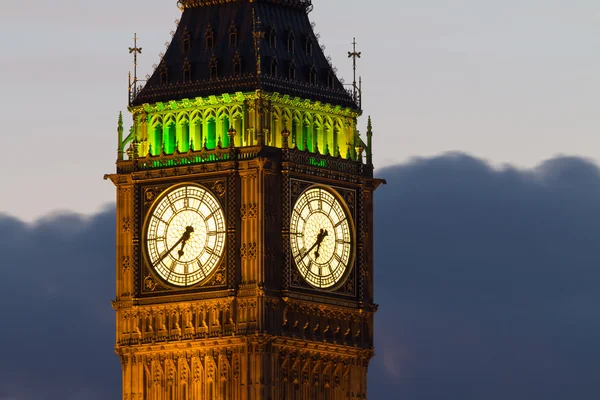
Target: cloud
column 57, row 323
column 486, row 279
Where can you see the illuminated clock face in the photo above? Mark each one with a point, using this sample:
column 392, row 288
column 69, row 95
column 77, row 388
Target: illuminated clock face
column 321, row 238
column 185, row 235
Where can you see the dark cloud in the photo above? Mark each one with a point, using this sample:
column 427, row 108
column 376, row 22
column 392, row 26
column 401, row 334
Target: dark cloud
column 57, row 329
column 487, row 281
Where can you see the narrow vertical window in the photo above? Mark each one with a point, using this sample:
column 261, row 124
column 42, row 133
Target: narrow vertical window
column 292, row 72
column 186, row 40
column 164, row 75
column 187, row 71
column 213, row 68
column 237, row 65
column 233, row 36
column 330, row 80
column 209, row 39
column 291, row 42
column 273, row 38
column 312, row 75
column 309, row 46
column 274, row 67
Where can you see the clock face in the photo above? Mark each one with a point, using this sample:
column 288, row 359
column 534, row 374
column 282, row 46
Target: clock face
column 185, row 235
column 321, row 238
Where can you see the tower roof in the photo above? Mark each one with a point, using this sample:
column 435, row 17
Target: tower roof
column 227, row 46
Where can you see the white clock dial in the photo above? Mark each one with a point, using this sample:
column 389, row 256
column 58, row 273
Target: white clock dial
column 321, row 238
column 185, row 235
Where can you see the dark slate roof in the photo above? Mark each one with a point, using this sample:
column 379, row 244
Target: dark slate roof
column 279, row 17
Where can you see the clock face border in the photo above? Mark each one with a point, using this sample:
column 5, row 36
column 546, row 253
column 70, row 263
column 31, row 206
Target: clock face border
column 149, row 209
column 350, row 266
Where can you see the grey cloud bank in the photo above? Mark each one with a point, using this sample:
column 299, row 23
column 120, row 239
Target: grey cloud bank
column 487, row 281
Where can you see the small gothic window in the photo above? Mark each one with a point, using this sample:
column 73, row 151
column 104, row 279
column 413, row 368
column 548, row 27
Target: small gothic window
column 330, row 80
column 291, row 42
column 292, row 74
column 209, row 39
column 273, row 38
column 185, row 38
column 274, row 67
column 237, row 65
column 213, row 68
column 309, row 47
column 233, row 36
column 312, row 75
column 164, row 76
column 187, row 71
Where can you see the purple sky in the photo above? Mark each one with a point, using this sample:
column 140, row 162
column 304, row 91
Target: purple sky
column 512, row 82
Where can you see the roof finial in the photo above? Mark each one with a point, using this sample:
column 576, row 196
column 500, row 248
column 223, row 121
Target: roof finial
column 257, row 34
column 369, row 141
column 120, row 133
column 135, row 50
column 354, row 55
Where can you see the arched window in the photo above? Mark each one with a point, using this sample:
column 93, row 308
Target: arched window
column 273, row 38
column 330, row 80
column 233, row 36
column 164, row 74
column 209, row 39
column 186, row 40
column 237, row 65
column 312, row 75
column 213, row 68
column 292, row 72
column 274, row 67
column 187, row 71
column 308, row 46
column 291, row 41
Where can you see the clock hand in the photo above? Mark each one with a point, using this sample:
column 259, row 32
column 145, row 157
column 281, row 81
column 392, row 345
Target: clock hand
column 185, row 238
column 308, row 251
column 320, row 238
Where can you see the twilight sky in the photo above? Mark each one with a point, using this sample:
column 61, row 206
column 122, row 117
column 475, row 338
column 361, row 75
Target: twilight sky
column 512, row 82
column 487, row 282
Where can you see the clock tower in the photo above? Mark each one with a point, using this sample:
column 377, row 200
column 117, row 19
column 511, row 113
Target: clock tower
column 244, row 258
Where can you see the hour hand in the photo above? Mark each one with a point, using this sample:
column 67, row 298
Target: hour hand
column 320, row 238
column 184, row 239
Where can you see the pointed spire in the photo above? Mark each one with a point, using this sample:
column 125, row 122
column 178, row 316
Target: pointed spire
column 369, row 141
column 120, row 135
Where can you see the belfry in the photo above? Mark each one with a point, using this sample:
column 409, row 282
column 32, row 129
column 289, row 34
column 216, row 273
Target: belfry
column 244, row 253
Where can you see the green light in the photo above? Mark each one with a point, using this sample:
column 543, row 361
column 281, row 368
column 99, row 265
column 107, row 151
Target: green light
column 317, row 163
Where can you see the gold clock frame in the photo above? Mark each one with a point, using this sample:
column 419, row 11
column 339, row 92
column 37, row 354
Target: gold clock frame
column 352, row 227
column 145, row 223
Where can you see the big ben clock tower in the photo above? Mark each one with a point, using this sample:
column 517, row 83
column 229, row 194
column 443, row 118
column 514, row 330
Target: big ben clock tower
column 244, row 262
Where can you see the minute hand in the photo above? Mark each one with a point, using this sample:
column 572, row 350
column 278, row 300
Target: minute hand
column 170, row 250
